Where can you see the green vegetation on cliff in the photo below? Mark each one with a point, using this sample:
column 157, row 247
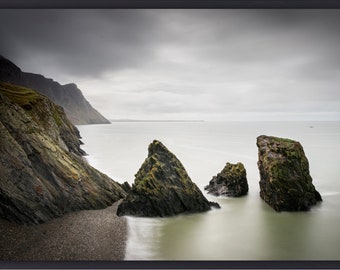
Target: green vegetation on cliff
column 68, row 96
column 43, row 173
column 20, row 95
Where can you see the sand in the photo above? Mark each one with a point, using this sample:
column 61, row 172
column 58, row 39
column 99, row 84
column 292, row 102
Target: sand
column 84, row 235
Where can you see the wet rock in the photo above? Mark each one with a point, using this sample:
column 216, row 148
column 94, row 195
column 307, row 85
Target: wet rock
column 162, row 187
column 43, row 173
column 231, row 181
column 285, row 181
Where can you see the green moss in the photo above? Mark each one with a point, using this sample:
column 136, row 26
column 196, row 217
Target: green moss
column 284, row 140
column 285, row 181
column 233, row 172
column 27, row 98
column 147, row 186
column 56, row 117
column 22, row 96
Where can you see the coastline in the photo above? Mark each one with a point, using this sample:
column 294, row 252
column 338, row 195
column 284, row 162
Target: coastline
column 77, row 236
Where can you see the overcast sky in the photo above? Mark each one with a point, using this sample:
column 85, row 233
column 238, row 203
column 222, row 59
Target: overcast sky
column 186, row 64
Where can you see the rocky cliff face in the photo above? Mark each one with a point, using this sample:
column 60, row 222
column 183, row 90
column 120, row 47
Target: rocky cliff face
column 43, row 174
column 230, row 182
column 76, row 107
column 285, row 183
column 162, row 187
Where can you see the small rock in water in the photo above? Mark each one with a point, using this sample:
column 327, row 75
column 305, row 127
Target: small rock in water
column 231, row 181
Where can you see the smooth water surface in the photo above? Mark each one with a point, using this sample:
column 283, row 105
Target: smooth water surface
column 244, row 228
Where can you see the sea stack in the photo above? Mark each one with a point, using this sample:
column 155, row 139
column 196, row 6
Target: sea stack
column 230, row 182
column 285, row 182
column 162, row 188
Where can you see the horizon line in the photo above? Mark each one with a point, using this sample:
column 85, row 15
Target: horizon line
column 200, row 120
column 155, row 120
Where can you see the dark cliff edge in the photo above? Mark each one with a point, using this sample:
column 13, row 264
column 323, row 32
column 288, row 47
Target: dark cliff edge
column 162, row 188
column 76, row 107
column 43, row 173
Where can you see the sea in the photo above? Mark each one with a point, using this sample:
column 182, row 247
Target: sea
column 245, row 228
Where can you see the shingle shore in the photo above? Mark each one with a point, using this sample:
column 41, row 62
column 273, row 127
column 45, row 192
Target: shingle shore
column 83, row 235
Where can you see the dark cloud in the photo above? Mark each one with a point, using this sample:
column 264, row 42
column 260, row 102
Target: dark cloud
column 189, row 63
column 81, row 42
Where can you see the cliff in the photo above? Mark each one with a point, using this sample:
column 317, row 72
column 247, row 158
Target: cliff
column 162, row 187
column 230, row 182
column 43, row 174
column 76, row 107
column 285, row 184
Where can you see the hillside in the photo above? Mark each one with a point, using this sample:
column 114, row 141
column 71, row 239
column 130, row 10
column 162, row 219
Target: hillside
column 76, row 107
column 43, row 173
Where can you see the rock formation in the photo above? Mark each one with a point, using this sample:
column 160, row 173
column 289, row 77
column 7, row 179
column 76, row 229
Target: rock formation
column 231, row 181
column 126, row 186
column 162, row 187
column 68, row 96
column 43, row 173
column 285, row 183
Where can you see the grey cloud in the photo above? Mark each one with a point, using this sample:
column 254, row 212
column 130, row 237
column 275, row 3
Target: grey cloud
column 184, row 62
column 81, row 42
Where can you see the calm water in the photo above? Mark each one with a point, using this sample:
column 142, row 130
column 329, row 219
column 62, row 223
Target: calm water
column 245, row 228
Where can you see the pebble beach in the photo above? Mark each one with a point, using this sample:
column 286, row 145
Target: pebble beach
column 85, row 235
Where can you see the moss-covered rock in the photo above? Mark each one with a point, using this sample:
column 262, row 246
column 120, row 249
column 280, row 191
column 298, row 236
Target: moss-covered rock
column 43, row 173
column 285, row 181
column 162, row 187
column 230, row 182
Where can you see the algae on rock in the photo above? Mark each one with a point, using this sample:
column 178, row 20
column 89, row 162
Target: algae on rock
column 285, row 181
column 162, row 187
column 231, row 181
column 43, row 173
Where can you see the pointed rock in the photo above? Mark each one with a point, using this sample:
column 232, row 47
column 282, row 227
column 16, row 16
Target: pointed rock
column 230, row 182
column 162, row 187
column 285, row 183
